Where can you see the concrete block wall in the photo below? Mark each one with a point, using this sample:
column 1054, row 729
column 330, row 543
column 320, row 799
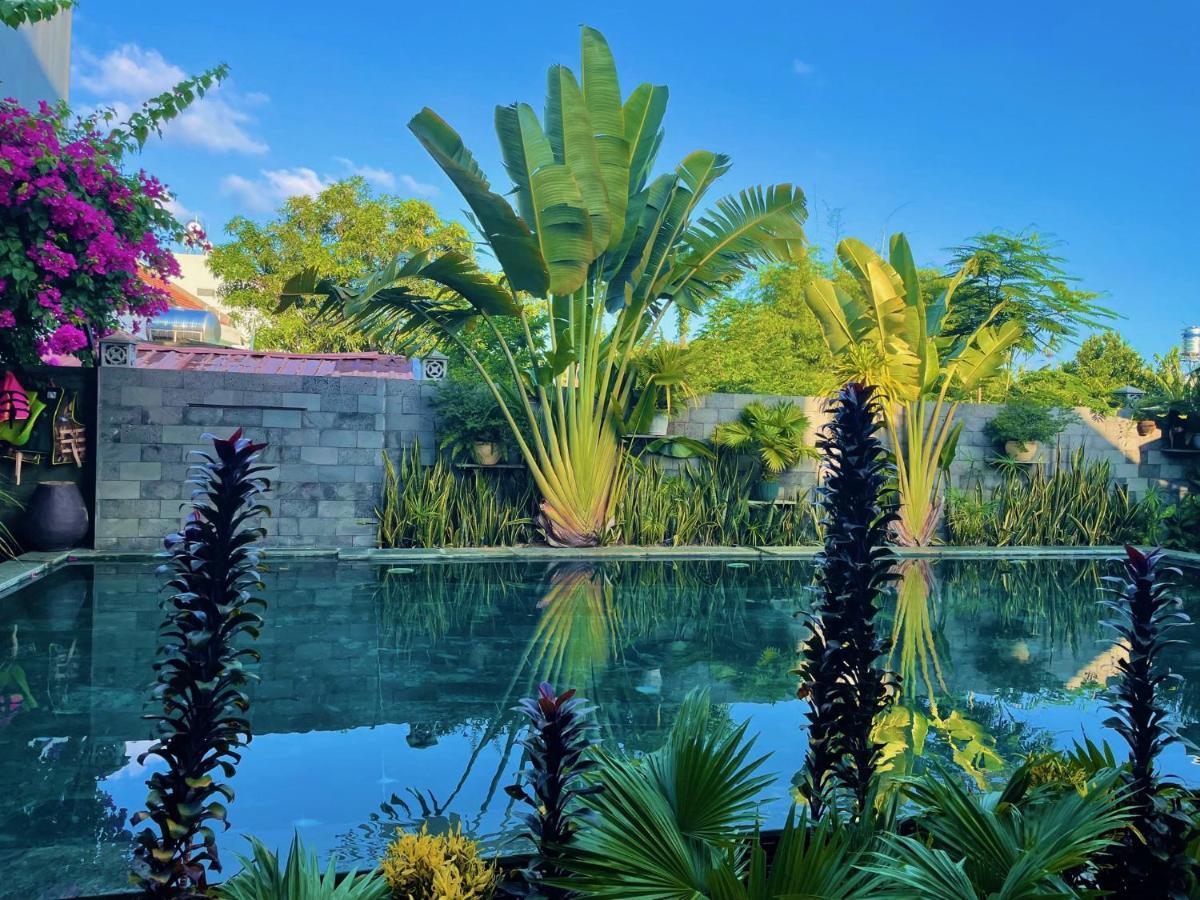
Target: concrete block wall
column 325, row 439
column 1137, row 461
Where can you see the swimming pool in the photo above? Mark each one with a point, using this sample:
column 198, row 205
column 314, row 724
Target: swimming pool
column 386, row 689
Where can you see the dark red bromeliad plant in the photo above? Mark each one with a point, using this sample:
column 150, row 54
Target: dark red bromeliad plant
column 76, row 227
column 558, row 739
column 213, row 568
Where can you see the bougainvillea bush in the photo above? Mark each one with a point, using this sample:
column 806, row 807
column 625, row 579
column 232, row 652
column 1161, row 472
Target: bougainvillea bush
column 74, row 230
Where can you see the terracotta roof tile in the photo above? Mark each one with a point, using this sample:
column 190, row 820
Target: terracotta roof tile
column 225, row 359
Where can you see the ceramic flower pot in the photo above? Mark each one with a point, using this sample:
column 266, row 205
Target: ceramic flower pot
column 659, row 424
column 1026, row 452
column 1146, row 427
column 56, row 517
column 486, row 453
column 767, row 491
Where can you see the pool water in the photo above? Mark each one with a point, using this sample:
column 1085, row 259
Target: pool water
column 387, row 691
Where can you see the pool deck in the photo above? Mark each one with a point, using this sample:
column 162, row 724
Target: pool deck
column 32, row 566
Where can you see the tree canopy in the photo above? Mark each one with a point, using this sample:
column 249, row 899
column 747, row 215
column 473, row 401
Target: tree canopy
column 345, row 233
column 1103, row 364
column 1023, row 271
column 762, row 338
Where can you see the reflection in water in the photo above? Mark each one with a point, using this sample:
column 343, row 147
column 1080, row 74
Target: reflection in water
column 904, row 729
column 386, row 692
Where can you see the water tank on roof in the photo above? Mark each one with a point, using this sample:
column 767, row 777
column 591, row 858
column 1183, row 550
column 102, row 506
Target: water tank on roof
column 185, row 326
column 1191, row 343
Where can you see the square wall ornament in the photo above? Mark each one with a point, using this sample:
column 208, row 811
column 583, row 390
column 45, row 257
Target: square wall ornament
column 119, row 349
column 435, row 366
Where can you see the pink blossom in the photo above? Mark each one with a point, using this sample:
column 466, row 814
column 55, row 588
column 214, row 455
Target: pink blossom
column 7, row 319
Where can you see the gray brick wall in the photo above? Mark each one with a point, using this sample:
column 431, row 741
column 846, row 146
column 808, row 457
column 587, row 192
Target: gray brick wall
column 325, row 438
column 1136, row 461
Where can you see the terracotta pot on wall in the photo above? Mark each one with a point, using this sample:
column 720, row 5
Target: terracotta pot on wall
column 1023, row 452
column 487, row 453
column 1146, row 427
column 56, row 517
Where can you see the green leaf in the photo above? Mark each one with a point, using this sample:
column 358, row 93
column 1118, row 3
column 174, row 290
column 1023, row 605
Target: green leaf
column 602, row 95
column 576, row 146
column 643, row 114
column 509, row 236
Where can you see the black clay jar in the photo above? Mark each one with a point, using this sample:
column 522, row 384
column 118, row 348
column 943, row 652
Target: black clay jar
column 55, row 517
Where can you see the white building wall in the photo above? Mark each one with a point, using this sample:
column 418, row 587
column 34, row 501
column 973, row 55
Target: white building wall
column 35, row 61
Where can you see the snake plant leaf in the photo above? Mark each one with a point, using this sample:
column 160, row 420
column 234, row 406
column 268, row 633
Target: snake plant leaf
column 602, row 96
column 509, row 236
column 574, row 143
column 643, row 113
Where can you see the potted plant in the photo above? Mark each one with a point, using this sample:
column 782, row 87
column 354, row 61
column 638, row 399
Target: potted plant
column 1022, row 427
column 470, row 423
column 1173, row 403
column 774, row 434
column 663, row 371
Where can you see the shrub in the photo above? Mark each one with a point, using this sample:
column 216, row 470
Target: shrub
column 214, row 575
column 468, row 413
column 773, row 433
column 77, row 228
column 448, row 866
column 1068, row 505
column 301, row 878
column 1181, row 523
column 1024, row 422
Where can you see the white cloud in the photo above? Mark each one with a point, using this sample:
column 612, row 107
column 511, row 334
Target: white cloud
column 800, row 67
column 129, row 72
column 127, row 76
column 386, row 180
column 268, row 192
column 379, row 177
column 177, row 209
column 215, row 124
column 420, row 188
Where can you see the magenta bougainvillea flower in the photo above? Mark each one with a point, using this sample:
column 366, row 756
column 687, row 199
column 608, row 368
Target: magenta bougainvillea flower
column 75, row 230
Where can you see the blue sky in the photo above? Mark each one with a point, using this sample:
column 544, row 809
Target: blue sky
column 941, row 119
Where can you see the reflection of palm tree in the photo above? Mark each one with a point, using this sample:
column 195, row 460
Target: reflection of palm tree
column 912, row 632
column 579, row 628
column 902, row 729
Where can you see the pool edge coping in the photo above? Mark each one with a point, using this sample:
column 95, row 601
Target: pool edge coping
column 29, row 567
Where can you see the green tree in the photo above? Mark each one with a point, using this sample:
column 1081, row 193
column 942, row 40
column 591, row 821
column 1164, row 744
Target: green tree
column 1103, row 364
column 1023, row 275
column 607, row 252
column 763, row 339
column 344, row 233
